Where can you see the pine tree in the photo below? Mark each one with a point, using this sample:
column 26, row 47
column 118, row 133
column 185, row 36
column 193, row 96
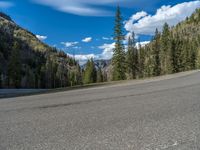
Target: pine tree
column 177, row 58
column 193, row 55
column 118, row 60
column 148, row 69
column 165, row 50
column 60, row 75
column 99, row 75
column 90, row 73
column 141, row 60
column 14, row 67
column 156, row 54
column 49, row 72
column 174, row 56
column 132, row 62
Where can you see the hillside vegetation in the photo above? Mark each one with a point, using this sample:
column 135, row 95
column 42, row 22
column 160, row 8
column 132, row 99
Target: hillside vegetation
column 172, row 50
column 26, row 62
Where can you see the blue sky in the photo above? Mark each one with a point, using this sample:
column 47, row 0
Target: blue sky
column 85, row 27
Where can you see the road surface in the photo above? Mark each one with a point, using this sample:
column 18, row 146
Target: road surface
column 18, row 92
column 156, row 114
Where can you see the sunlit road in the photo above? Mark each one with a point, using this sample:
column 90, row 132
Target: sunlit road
column 156, row 114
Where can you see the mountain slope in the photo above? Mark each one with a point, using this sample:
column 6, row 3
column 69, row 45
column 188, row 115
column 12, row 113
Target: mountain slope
column 172, row 50
column 39, row 65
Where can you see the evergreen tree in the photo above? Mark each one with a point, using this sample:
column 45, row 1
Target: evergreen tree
column 14, row 67
column 90, row 72
column 179, row 54
column 141, row 60
column 156, row 54
column 148, row 71
column 132, row 58
column 165, row 50
column 99, row 75
column 60, row 75
column 54, row 70
column 174, row 56
column 49, row 72
column 118, row 60
column 193, row 55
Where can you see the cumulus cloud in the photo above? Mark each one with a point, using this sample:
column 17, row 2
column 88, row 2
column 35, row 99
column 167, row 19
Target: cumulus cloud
column 69, row 44
column 139, row 15
column 143, row 23
column 5, row 4
column 87, row 39
column 41, row 37
column 83, row 7
column 107, row 52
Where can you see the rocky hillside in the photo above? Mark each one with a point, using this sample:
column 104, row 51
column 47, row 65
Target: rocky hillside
column 26, row 62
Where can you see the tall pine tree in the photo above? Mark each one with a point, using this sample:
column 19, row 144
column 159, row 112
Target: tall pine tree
column 118, row 60
column 156, row 54
column 141, row 60
column 165, row 50
column 132, row 58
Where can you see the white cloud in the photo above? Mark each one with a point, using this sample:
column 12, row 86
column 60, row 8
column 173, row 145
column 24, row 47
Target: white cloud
column 139, row 15
column 83, row 7
column 5, row 4
column 107, row 52
column 87, row 39
column 69, row 44
column 76, row 47
column 142, row 43
column 83, row 58
column 107, row 38
column 143, row 23
column 41, row 37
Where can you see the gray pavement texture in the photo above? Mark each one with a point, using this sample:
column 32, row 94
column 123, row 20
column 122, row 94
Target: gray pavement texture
column 18, row 92
column 155, row 114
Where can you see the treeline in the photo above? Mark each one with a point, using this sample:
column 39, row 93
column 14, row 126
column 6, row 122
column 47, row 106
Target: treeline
column 24, row 68
column 25, row 62
column 173, row 50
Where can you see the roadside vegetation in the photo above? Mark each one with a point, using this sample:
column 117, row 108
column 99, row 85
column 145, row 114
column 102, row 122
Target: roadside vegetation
column 26, row 62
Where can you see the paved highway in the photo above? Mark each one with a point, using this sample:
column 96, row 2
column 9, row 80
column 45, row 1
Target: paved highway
column 155, row 114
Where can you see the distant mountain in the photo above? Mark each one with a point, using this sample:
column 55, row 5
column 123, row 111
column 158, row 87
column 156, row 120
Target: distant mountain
column 106, row 68
column 99, row 63
column 26, row 62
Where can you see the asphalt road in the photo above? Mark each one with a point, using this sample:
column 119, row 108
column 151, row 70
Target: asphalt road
column 18, row 92
column 156, row 114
